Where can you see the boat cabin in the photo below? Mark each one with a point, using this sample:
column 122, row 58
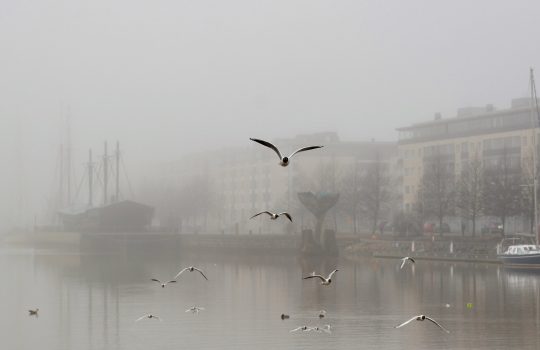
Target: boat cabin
column 522, row 249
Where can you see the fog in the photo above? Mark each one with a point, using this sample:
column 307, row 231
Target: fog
column 169, row 78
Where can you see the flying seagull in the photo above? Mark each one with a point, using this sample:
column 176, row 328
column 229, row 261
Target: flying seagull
column 422, row 318
column 302, row 328
column 163, row 284
column 283, row 161
column 148, row 316
column 284, row 316
column 322, row 313
column 405, row 259
column 33, row 312
column 325, row 329
column 273, row 216
column 195, row 309
column 325, row 281
column 190, row 269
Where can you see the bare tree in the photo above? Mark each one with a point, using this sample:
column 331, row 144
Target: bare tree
column 469, row 192
column 197, row 199
column 527, row 198
column 350, row 198
column 502, row 194
column 375, row 192
column 438, row 186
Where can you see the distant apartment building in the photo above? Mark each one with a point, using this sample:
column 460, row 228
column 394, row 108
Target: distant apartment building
column 247, row 180
column 483, row 133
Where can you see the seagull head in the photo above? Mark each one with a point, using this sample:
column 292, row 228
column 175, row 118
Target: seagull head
column 285, row 160
column 422, row 317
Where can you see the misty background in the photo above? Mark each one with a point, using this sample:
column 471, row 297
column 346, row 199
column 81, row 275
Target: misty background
column 169, row 78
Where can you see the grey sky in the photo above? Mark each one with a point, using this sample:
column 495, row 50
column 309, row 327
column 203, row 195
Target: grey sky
column 166, row 77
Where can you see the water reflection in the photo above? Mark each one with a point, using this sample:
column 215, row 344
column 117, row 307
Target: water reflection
column 91, row 301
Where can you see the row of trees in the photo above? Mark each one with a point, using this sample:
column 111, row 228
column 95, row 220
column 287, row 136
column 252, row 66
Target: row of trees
column 367, row 192
column 498, row 187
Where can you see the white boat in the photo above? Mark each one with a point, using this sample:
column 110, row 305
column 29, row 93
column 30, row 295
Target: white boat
column 521, row 255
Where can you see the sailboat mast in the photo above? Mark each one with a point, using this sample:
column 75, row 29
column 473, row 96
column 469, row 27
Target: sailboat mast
column 90, row 178
column 68, row 159
column 105, row 174
column 117, row 171
column 534, row 122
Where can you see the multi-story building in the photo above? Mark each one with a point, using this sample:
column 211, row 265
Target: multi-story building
column 482, row 133
column 246, row 180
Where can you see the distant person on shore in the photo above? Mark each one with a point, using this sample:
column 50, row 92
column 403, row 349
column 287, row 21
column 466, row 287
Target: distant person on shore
column 381, row 227
column 463, row 226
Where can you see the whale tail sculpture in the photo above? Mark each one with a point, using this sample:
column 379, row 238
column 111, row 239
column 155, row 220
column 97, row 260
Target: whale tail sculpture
column 318, row 205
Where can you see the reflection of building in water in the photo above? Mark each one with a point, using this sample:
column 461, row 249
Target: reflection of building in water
column 246, row 180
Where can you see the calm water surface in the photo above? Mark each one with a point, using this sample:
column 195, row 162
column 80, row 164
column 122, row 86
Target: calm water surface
column 91, row 302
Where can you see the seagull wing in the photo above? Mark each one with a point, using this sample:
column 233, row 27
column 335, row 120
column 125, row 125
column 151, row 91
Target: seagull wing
column 269, row 145
column 156, row 280
column 412, row 260
column 407, row 322
column 437, row 323
column 315, row 276
column 287, row 215
column 262, row 212
column 188, row 310
column 196, row 269
column 304, row 149
column 332, row 274
column 296, row 329
column 140, row 318
column 171, row 281
column 403, row 261
column 159, row 318
column 179, row 273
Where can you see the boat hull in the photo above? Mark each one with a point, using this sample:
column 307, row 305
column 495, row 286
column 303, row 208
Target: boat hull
column 524, row 260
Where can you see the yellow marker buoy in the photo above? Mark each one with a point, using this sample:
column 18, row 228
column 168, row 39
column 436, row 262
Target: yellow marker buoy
column 469, row 305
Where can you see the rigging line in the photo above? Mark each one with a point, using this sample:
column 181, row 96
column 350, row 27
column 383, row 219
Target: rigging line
column 54, row 180
column 126, row 175
column 535, row 100
column 97, row 172
column 79, row 187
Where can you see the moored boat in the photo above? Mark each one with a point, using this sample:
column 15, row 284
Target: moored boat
column 521, row 255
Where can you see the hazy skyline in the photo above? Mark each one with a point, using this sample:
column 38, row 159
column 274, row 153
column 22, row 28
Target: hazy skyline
column 170, row 77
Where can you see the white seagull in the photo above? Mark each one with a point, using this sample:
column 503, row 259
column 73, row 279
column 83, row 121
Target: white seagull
column 302, row 328
column 190, row 269
column 195, row 309
column 284, row 161
column 325, row 329
column 322, row 313
column 148, row 316
column 325, row 281
column 405, row 259
column 422, row 318
column 163, row 284
column 273, row 216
